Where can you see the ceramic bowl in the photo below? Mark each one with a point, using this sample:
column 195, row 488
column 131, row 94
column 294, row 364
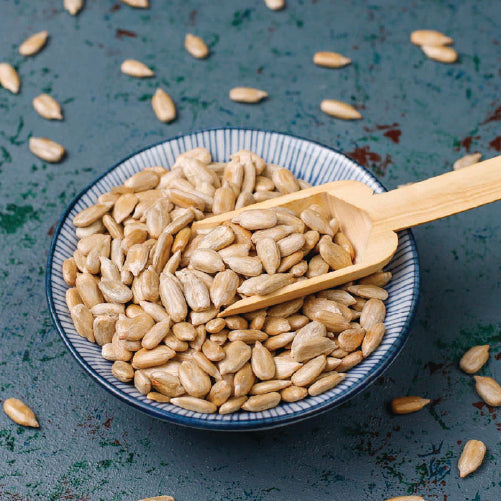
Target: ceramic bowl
column 308, row 160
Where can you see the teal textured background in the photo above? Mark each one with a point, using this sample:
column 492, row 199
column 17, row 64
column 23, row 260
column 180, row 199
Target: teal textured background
column 419, row 116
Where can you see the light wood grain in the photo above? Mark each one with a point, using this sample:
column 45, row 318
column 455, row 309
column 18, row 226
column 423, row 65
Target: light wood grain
column 370, row 221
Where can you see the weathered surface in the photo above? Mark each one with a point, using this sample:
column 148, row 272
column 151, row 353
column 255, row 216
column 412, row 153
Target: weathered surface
column 419, row 116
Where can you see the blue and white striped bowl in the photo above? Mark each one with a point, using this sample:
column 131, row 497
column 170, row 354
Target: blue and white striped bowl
column 308, row 160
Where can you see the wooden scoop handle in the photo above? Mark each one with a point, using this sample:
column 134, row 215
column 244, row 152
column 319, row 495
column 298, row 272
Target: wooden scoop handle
column 437, row 197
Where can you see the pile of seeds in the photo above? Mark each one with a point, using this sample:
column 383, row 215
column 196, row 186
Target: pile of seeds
column 148, row 288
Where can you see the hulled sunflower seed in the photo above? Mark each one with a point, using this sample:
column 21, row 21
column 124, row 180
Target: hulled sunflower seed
column 325, row 384
column 144, row 358
column 372, row 339
column 474, row 359
column 196, row 46
column 220, row 393
column 34, row 44
column 440, row 53
column 247, row 95
column 9, row 78
column 138, row 4
column 163, row 106
column 293, row 393
column 172, row 297
column 244, row 380
column 406, row 405
column 47, row 150
column 489, row 390
column 237, row 354
column 373, row 312
column 123, row 371
column 430, row 37
column 135, row 68
column 471, row 457
column 330, row 59
column 47, row 107
column 20, row 413
column 195, row 404
column 263, row 402
column 309, row 371
column 194, row 380
column 73, row 6
column 467, row 160
column 262, row 362
column 275, row 4
column 339, row 109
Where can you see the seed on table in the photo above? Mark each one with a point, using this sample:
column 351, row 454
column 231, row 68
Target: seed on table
column 247, row 95
column 430, row 37
column 467, row 160
column 159, row 498
column 474, row 359
column 338, row 109
column 275, row 4
column 138, row 4
column 47, row 107
column 194, row 404
column 9, row 78
column 489, row 390
column 163, row 105
column 47, row 150
column 440, row 53
column 330, row 59
column 407, row 498
column 196, row 46
column 135, row 68
column 471, row 457
column 406, row 405
column 33, row 44
column 20, row 413
column 73, row 6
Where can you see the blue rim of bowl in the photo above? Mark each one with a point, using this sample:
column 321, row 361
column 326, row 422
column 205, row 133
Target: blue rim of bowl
column 194, row 422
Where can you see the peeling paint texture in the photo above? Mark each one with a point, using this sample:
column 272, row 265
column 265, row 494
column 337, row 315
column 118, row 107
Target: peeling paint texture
column 419, row 116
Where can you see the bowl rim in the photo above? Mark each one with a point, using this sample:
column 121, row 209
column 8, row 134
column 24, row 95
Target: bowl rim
column 194, row 422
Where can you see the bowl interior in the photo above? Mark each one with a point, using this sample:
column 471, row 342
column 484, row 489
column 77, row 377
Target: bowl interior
column 307, row 160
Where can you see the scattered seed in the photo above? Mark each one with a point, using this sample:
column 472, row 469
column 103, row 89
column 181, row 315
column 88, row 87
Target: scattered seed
column 73, row 6
column 471, row 457
column 474, row 359
column 47, row 150
column 406, row 405
column 489, row 390
column 135, row 68
column 467, row 160
column 247, row 95
column 20, row 413
column 163, row 106
column 440, row 53
column 138, row 4
column 430, row 37
column 9, row 79
column 33, row 44
column 339, row 109
column 331, row 59
column 196, row 46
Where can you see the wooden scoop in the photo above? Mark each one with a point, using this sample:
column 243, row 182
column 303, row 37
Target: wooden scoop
column 370, row 221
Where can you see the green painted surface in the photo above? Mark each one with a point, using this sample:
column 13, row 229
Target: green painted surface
column 419, row 116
